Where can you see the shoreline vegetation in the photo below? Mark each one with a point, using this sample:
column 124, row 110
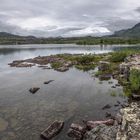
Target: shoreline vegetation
column 15, row 40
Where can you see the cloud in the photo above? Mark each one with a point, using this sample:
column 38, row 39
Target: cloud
column 67, row 18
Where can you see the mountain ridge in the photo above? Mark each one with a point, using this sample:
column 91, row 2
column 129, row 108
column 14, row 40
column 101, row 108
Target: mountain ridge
column 131, row 32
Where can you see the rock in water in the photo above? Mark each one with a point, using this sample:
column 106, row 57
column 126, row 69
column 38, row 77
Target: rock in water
column 52, row 130
column 135, row 96
column 62, row 69
column 108, row 114
column 77, row 127
column 92, row 124
column 76, row 131
column 34, row 90
column 106, row 107
column 47, row 82
column 103, row 65
column 75, row 134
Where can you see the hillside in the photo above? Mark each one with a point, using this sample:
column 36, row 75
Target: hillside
column 5, row 34
column 131, row 32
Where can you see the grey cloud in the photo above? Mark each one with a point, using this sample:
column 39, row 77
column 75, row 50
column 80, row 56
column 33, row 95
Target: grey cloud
column 8, row 28
column 138, row 9
column 63, row 17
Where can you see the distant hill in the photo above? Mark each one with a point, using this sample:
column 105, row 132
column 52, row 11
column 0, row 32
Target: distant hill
column 9, row 35
column 131, row 32
column 8, row 38
column 5, row 34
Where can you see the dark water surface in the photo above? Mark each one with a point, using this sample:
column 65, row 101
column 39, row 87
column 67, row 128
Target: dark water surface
column 73, row 96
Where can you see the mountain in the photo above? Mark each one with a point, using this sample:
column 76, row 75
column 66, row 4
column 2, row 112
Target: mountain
column 5, row 34
column 9, row 35
column 131, row 32
column 8, row 38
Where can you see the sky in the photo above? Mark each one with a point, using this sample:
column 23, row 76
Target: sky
column 67, row 18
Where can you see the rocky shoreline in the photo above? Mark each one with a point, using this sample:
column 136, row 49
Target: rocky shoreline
column 126, row 124
column 130, row 128
column 129, row 117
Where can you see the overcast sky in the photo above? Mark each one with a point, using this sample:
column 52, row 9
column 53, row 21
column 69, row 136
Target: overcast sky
column 67, row 17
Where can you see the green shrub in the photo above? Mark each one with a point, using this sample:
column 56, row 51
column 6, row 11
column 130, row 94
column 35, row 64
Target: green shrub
column 85, row 59
column 85, row 67
column 56, row 65
column 134, row 79
column 118, row 56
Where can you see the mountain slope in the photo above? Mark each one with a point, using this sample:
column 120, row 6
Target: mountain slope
column 5, row 34
column 9, row 35
column 132, row 32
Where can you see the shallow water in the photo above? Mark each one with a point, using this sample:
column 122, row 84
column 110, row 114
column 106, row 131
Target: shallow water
column 73, row 96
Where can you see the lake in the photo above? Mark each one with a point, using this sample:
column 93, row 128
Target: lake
column 73, row 96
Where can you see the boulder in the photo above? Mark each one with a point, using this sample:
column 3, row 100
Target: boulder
column 77, row 127
column 62, row 69
column 75, row 134
column 103, row 66
column 102, row 132
column 52, row 130
column 92, row 124
column 76, row 131
column 124, row 70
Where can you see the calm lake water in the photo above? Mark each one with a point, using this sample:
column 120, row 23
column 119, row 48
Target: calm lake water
column 73, row 96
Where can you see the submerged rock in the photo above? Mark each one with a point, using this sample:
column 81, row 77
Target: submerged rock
column 113, row 87
column 3, row 124
column 117, row 85
column 76, row 131
column 106, row 107
column 75, row 134
column 34, row 90
column 47, row 82
column 108, row 114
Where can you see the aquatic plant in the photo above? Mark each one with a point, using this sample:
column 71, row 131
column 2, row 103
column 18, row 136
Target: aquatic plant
column 113, row 94
column 118, row 56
